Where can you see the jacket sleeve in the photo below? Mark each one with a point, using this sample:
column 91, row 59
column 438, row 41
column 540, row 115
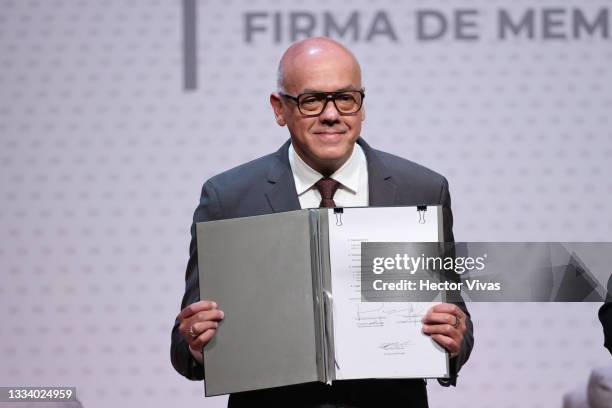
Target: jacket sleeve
column 468, row 339
column 182, row 359
column 605, row 317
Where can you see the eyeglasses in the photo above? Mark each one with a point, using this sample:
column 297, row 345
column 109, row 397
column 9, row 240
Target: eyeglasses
column 313, row 103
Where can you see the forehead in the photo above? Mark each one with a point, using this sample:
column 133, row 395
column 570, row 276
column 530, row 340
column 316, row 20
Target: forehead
column 324, row 71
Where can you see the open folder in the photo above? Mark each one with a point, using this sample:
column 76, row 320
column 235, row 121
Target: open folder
column 289, row 285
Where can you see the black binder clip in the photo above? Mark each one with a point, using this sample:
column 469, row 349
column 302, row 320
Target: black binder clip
column 338, row 212
column 422, row 209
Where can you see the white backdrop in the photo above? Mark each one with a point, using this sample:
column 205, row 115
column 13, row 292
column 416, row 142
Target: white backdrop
column 103, row 153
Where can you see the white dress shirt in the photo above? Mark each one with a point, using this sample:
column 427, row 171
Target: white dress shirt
column 352, row 176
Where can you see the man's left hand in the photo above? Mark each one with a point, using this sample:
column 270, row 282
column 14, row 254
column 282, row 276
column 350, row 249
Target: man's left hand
column 445, row 323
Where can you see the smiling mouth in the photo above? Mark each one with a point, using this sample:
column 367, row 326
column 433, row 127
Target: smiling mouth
column 330, row 138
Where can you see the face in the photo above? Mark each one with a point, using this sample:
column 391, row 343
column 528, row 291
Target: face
column 326, row 141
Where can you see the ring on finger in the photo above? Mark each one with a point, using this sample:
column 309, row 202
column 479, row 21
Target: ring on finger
column 192, row 333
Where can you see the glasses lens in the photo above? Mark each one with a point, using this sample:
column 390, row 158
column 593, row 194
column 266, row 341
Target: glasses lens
column 348, row 102
column 311, row 104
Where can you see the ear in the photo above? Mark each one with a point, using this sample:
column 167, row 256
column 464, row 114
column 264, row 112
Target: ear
column 277, row 106
column 362, row 113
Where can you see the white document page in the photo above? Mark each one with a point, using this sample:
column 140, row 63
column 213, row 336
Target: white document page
column 375, row 339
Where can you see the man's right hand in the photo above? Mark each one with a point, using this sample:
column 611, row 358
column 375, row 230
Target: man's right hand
column 198, row 325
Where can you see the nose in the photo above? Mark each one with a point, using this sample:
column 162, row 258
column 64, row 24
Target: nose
column 330, row 114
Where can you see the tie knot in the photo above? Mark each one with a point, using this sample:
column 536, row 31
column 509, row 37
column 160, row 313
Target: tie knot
column 327, row 187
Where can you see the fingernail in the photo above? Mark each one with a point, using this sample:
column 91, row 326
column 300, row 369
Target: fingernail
column 222, row 314
column 214, row 305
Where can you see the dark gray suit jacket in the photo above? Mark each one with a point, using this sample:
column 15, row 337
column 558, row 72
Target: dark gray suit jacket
column 266, row 185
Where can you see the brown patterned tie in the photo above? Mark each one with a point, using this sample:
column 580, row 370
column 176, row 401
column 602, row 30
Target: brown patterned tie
column 327, row 187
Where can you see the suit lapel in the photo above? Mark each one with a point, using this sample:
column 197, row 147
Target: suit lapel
column 382, row 191
column 281, row 193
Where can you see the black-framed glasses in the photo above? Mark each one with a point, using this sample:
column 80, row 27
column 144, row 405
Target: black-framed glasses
column 314, row 103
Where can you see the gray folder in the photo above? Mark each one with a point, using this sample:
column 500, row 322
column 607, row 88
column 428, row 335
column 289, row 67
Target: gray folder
column 271, row 276
column 260, row 271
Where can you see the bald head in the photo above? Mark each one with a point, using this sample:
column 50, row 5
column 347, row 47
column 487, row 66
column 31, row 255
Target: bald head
column 308, row 53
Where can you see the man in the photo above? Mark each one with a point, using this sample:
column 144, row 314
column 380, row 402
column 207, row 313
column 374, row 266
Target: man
column 326, row 163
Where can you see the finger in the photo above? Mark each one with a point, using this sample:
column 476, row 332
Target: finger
column 199, row 342
column 444, row 329
column 188, row 324
column 455, row 334
column 195, row 308
column 448, row 308
column 439, row 318
column 448, row 343
column 200, row 327
column 207, row 315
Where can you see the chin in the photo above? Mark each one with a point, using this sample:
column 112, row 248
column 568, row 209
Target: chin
column 333, row 153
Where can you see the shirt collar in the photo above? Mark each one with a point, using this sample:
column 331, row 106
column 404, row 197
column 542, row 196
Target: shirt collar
column 348, row 174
